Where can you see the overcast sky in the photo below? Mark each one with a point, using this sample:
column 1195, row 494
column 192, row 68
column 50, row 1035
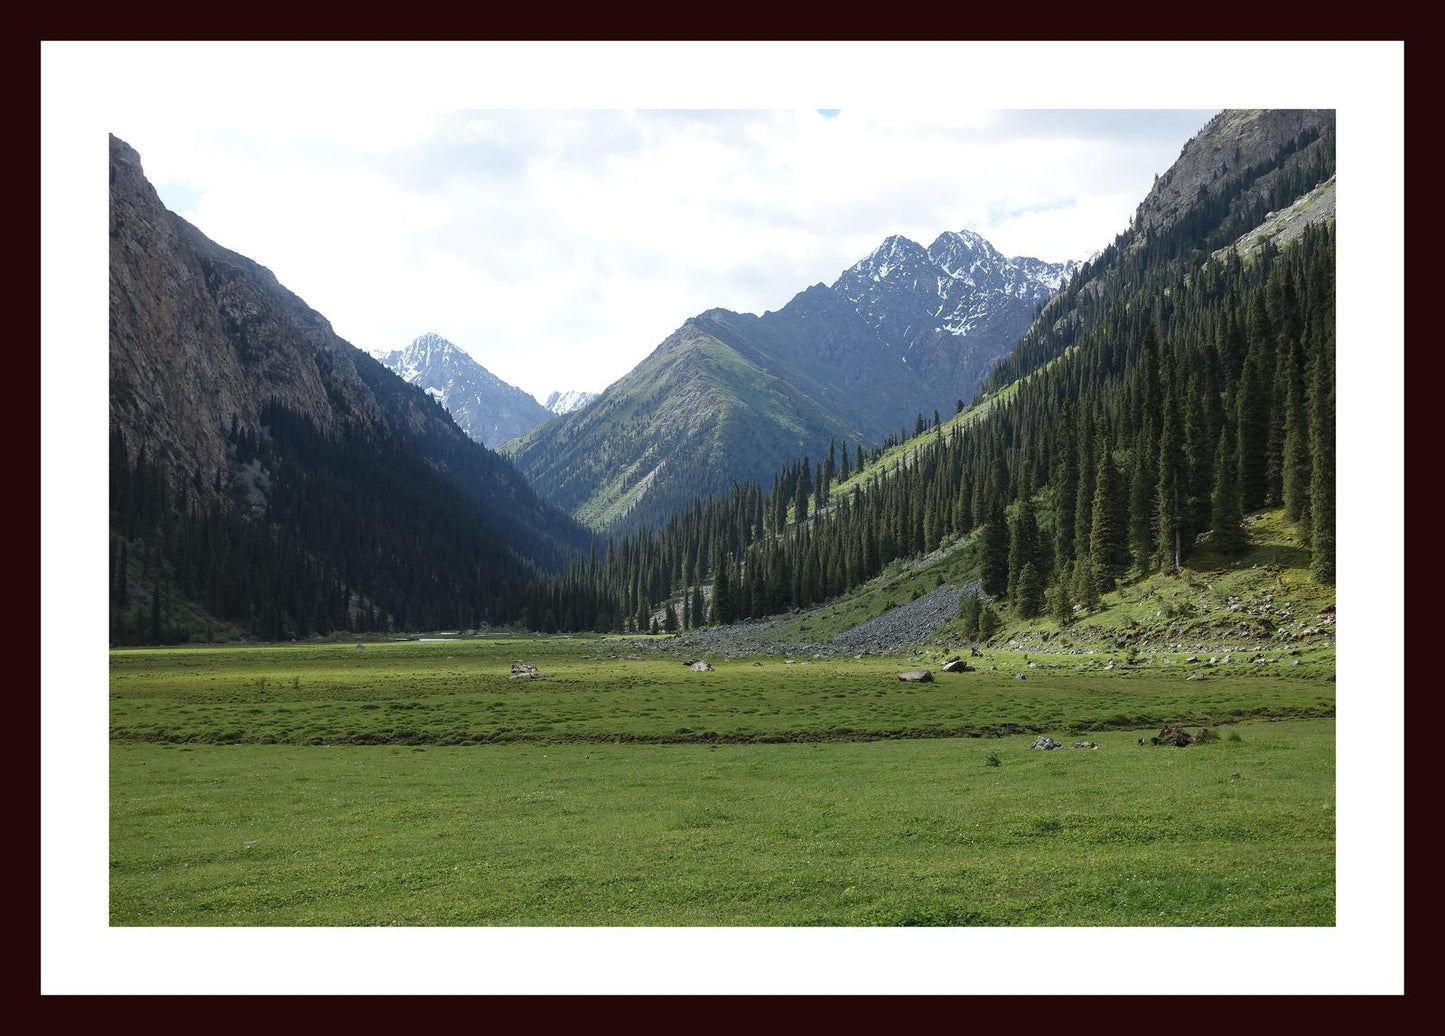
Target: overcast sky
column 560, row 247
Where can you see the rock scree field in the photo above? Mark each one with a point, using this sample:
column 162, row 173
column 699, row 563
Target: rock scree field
column 417, row 783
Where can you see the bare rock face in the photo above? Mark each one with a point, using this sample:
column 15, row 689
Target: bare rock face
column 1232, row 142
column 200, row 334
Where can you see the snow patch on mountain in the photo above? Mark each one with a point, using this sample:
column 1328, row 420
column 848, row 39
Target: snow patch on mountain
column 566, row 402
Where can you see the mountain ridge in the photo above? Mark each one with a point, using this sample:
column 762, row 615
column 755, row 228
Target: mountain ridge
column 899, row 333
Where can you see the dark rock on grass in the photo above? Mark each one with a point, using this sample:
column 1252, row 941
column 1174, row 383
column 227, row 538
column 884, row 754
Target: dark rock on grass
column 1178, row 737
column 958, row 665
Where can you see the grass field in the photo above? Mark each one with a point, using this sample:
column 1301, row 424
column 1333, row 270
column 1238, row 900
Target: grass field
column 416, row 784
column 593, row 689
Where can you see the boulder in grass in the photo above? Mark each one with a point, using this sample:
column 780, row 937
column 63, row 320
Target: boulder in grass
column 958, row 665
column 916, row 676
column 1045, row 744
column 700, row 667
column 524, row 671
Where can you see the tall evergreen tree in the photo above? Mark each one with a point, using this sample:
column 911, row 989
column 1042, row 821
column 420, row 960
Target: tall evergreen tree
column 1298, row 465
column 1169, row 513
column 1227, row 531
column 1252, row 431
column 1029, row 592
column 1322, row 468
column 1108, row 539
column 1023, row 536
column 993, row 552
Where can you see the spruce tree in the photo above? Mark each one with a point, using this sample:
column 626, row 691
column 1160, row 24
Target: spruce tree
column 1023, row 536
column 1060, row 594
column 1298, row 465
column 1251, row 437
column 1108, row 539
column 1143, row 494
column 1029, row 592
column 1322, row 468
column 969, row 605
column 988, row 623
column 1086, row 584
column 993, row 553
column 1169, row 517
column 1227, row 532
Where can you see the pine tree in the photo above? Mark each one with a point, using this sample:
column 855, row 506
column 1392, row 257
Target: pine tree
column 1298, row 465
column 1108, row 542
column 1143, row 493
column 1251, row 440
column 1169, row 516
column 969, row 605
column 721, row 611
column 1226, row 522
column 800, row 499
column 1086, row 584
column 1322, row 469
column 1029, row 592
column 669, row 619
column 1060, row 594
column 993, row 553
column 1023, row 536
column 988, row 623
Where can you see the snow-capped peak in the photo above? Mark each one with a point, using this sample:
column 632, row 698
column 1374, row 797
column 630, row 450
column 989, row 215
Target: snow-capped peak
column 566, row 402
column 960, row 285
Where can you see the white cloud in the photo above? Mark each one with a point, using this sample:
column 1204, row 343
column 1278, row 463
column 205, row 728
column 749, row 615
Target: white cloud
column 560, row 247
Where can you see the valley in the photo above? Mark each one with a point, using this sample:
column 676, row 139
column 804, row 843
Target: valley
column 393, row 643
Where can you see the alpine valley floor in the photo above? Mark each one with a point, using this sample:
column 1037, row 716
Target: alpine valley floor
column 416, row 783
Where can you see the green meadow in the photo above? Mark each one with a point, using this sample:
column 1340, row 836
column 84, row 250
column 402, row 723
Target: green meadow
column 415, row 783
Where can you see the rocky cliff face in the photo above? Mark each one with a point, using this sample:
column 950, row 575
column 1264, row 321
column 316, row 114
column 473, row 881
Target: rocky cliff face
column 200, row 335
column 1228, row 146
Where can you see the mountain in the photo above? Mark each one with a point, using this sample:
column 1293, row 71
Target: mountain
column 269, row 474
column 1167, row 422
column 482, row 404
column 1230, row 177
column 566, row 402
column 951, row 310
column 730, row 396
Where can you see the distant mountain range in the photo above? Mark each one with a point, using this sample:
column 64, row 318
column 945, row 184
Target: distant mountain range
column 731, row 396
